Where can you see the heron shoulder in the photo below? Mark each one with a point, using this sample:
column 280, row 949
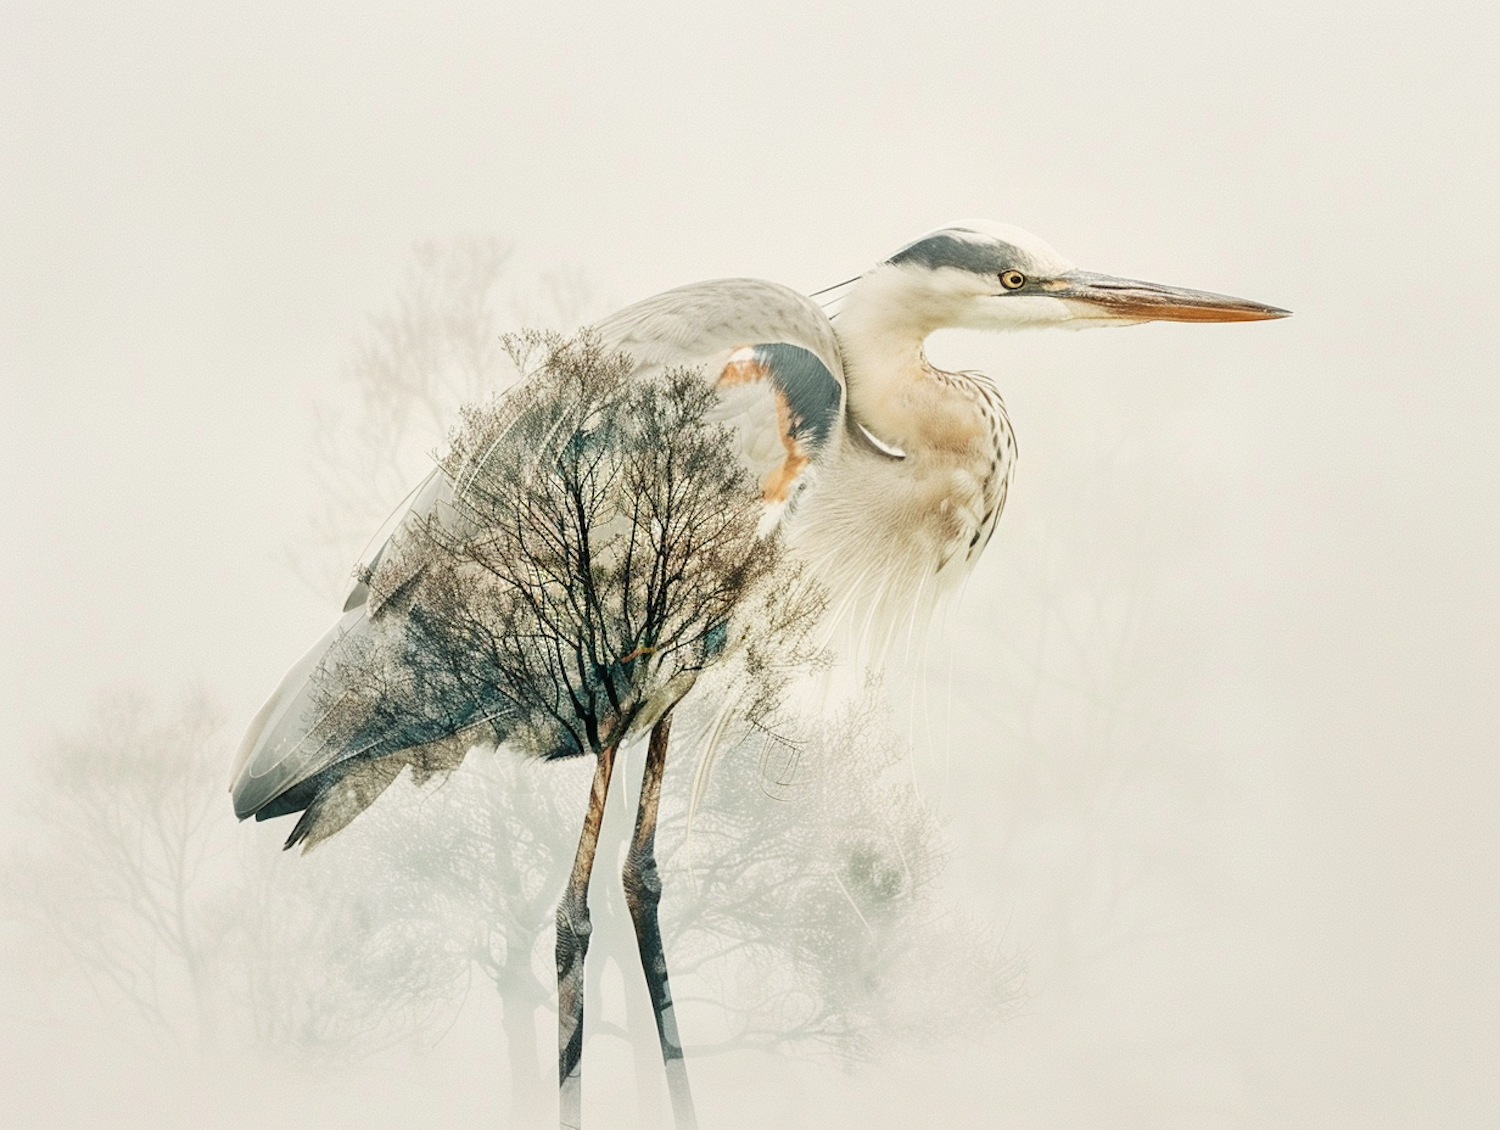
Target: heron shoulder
column 773, row 357
column 689, row 324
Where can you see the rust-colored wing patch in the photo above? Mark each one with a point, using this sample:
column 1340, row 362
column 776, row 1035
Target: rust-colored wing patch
column 743, row 368
column 777, row 487
column 801, row 404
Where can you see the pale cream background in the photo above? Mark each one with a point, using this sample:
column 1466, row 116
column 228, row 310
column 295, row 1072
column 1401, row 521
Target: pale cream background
column 199, row 205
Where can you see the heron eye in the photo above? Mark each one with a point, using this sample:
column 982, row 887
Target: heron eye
column 1012, row 280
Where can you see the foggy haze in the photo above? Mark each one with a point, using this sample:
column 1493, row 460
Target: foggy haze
column 1210, row 738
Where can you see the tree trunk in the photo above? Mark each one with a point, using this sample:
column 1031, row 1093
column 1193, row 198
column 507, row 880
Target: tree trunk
column 528, row 1090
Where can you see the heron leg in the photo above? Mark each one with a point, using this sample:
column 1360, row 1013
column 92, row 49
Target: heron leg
column 642, row 883
column 573, row 929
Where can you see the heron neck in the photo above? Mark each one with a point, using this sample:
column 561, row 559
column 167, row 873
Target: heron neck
column 881, row 332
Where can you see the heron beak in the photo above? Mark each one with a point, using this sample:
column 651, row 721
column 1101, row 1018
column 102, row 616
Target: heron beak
column 1131, row 301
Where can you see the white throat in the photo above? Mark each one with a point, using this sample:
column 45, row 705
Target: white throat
column 882, row 327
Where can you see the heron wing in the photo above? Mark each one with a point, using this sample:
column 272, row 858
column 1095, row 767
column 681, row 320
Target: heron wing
column 288, row 740
column 688, row 325
column 774, row 359
column 772, row 354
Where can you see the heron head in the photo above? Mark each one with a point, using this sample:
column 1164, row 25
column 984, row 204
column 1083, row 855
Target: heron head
column 977, row 274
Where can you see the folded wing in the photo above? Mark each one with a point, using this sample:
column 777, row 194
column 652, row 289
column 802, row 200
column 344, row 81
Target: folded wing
column 774, row 360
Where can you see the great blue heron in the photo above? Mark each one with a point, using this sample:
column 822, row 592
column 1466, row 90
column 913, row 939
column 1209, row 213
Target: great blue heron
column 883, row 474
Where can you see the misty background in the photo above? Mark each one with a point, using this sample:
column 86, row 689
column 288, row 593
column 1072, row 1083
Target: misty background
column 1209, row 743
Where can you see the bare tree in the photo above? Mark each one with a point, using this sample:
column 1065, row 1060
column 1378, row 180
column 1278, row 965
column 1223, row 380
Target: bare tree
column 815, row 920
column 125, row 875
column 339, row 958
column 134, row 886
column 435, row 349
column 487, row 852
column 593, row 550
